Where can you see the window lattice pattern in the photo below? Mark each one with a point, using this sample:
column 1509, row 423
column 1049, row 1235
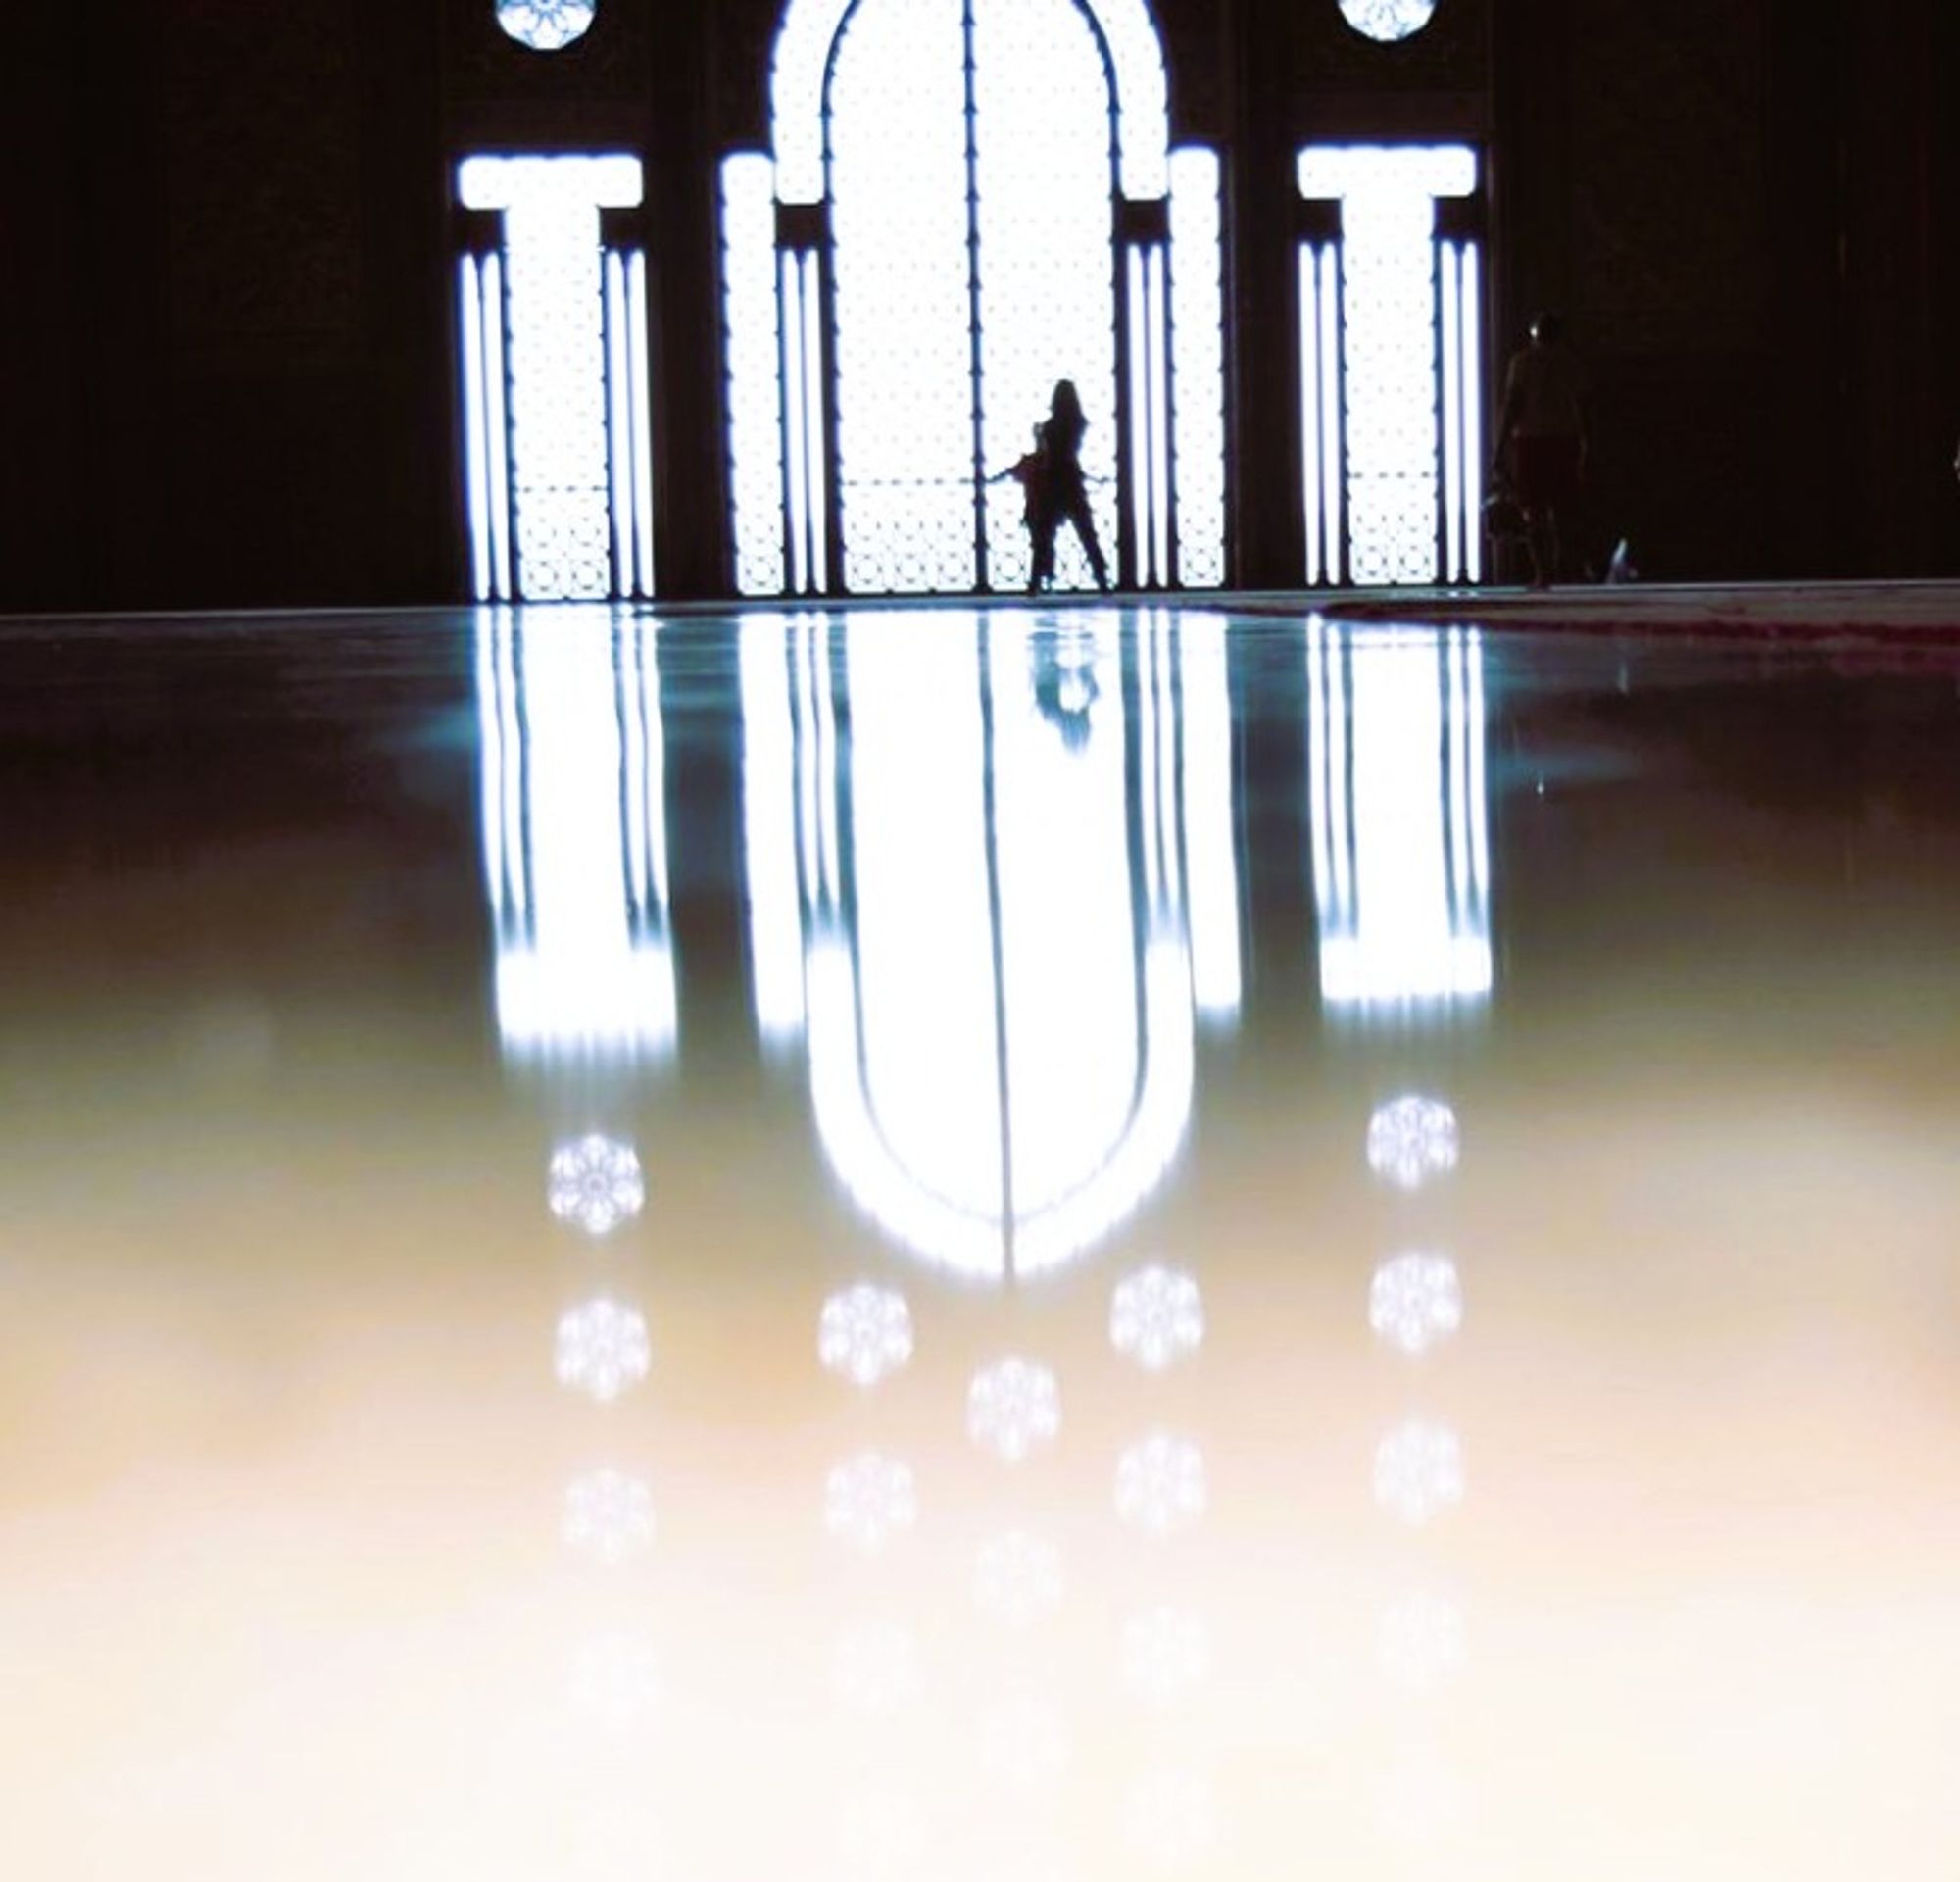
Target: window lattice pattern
column 904, row 387
column 1047, row 313
column 1387, row 19
column 754, row 340
column 555, row 316
column 545, row 26
column 1197, row 356
column 1387, row 336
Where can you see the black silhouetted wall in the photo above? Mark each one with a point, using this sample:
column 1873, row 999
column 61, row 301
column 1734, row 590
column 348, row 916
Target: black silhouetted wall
column 227, row 373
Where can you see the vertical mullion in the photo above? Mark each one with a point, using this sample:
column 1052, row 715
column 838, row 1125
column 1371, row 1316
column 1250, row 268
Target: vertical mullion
column 500, row 422
column 1449, row 407
column 796, row 458
column 1156, row 273
column 1470, row 330
column 1333, row 409
column 816, row 479
column 640, row 421
column 976, row 346
column 619, row 393
column 469, row 298
column 1306, row 267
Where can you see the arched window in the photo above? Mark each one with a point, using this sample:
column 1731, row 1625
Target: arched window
column 932, row 249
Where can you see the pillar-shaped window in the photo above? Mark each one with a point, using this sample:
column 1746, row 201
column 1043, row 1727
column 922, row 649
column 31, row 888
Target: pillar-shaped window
column 557, row 443
column 931, row 250
column 1391, row 295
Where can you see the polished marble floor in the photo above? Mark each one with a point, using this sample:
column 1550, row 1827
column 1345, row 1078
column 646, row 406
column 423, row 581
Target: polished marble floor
column 977, row 1245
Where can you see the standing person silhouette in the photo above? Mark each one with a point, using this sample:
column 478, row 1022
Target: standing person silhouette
column 1542, row 429
column 1060, row 494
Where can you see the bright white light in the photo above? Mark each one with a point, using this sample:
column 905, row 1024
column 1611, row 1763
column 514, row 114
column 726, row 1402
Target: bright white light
column 1156, row 1318
column 876, row 1669
column 1025, row 1741
column 1412, row 1141
column 864, row 1333
column 1171, row 1817
column 602, row 1349
column 1013, row 1407
column 561, row 464
column 1399, row 823
column 545, row 26
column 754, row 341
column 1387, row 19
column 869, row 1499
column 1419, row 1472
column 1161, row 1485
column 972, row 994
column 596, row 1184
column 574, row 837
column 1197, row 362
column 1018, row 1578
column 1415, row 1301
column 1422, row 1642
column 609, row 1516
column 1387, row 308
column 1210, row 837
column 615, row 1679
column 1167, row 1654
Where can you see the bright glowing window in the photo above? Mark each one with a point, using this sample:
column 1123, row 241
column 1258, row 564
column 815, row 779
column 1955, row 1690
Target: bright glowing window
column 1390, row 382
column 1387, row 19
column 556, row 397
column 546, row 26
column 970, row 151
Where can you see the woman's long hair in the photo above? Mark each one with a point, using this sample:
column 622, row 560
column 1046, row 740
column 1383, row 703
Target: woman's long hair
column 1066, row 404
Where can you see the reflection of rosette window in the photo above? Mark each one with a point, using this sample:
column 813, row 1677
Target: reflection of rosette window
column 575, row 837
column 1401, row 849
column 994, row 914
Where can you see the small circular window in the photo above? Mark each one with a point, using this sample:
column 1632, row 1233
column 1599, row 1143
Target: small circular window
column 545, row 24
column 1387, row 19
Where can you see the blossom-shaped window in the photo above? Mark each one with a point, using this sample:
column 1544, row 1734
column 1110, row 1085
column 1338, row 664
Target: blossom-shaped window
column 1387, row 19
column 546, row 26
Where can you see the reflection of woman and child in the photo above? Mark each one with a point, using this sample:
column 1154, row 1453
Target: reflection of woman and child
column 1054, row 490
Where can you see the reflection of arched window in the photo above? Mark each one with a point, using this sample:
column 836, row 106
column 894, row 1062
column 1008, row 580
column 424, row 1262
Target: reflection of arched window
column 1401, row 849
column 575, row 837
column 931, row 250
column 995, row 921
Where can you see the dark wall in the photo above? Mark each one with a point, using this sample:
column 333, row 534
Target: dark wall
column 227, row 372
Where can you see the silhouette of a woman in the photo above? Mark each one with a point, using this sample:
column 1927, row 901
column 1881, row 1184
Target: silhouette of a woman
column 1059, row 493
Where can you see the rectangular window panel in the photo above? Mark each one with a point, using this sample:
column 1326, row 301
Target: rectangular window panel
column 751, row 337
column 1400, row 433
column 1198, row 361
column 560, row 463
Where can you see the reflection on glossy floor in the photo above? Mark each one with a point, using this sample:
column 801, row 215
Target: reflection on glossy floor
column 976, row 1246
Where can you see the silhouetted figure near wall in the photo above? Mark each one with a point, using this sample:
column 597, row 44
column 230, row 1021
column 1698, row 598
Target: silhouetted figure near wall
column 1059, row 492
column 1542, row 442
